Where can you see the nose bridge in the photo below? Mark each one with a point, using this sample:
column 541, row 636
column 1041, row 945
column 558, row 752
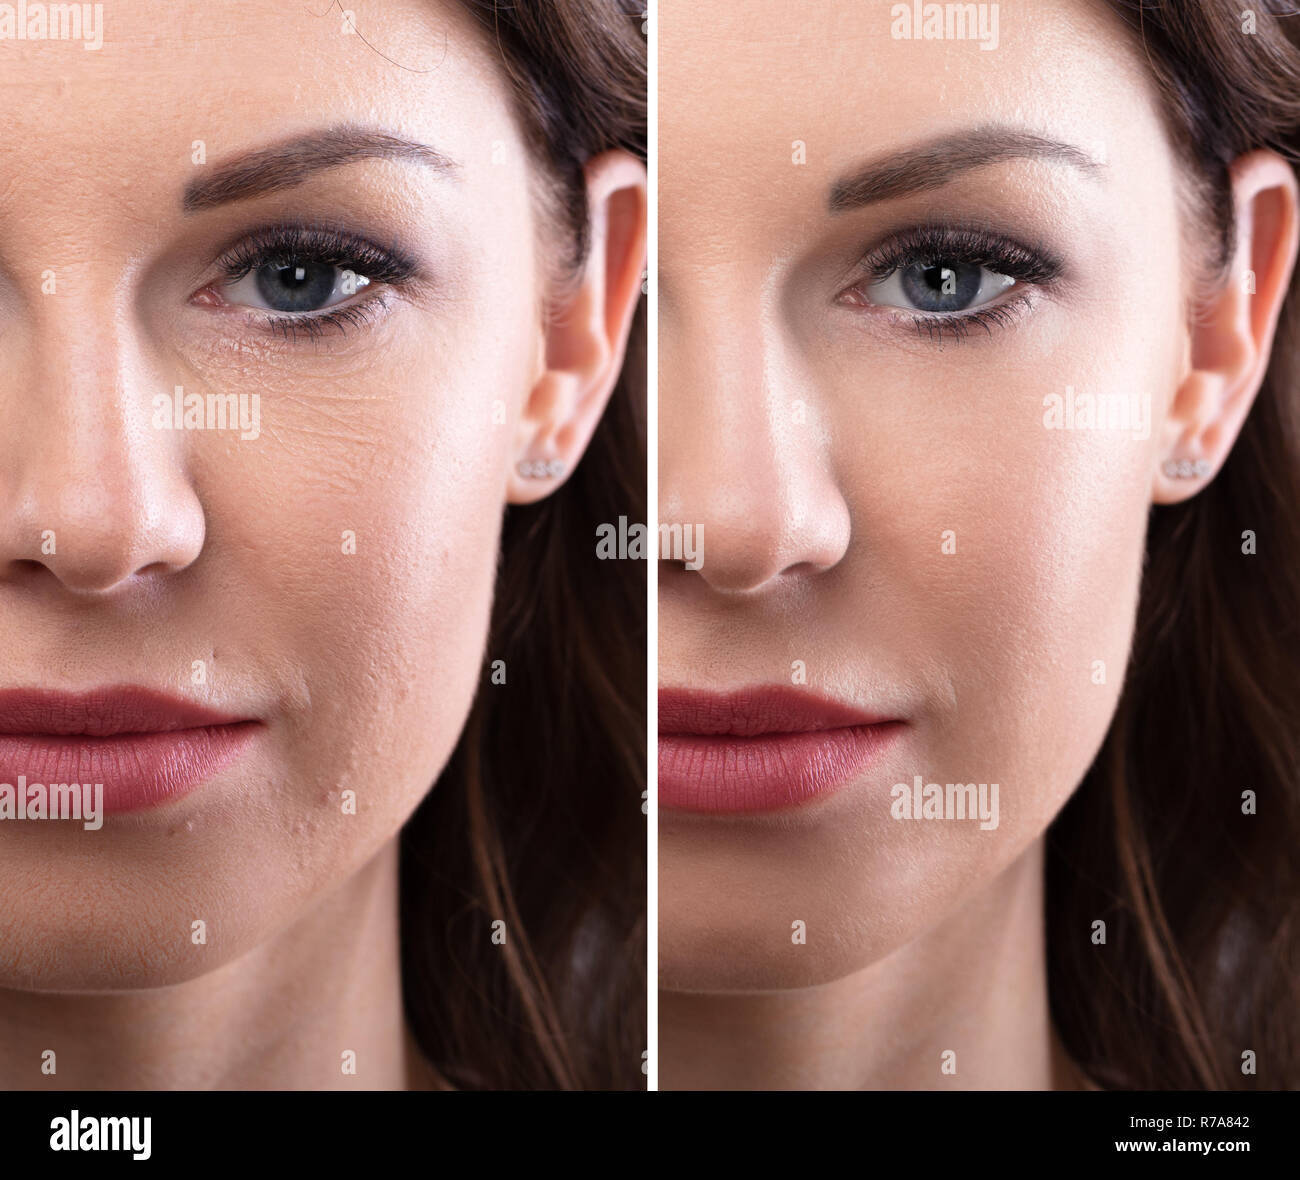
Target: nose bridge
column 741, row 453
column 90, row 489
column 88, row 391
column 712, row 384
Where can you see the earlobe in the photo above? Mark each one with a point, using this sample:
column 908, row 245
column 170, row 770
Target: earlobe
column 586, row 332
column 1232, row 336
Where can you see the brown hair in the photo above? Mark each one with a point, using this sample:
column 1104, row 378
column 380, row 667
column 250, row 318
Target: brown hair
column 537, row 819
column 1198, row 891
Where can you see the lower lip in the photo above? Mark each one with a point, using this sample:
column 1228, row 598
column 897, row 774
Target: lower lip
column 725, row 774
column 137, row 770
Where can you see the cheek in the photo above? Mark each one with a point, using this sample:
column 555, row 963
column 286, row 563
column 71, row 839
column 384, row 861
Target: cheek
column 1013, row 559
column 1049, row 513
column 373, row 552
column 1031, row 591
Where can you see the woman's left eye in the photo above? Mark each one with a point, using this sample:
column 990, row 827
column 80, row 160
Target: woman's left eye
column 294, row 285
column 942, row 286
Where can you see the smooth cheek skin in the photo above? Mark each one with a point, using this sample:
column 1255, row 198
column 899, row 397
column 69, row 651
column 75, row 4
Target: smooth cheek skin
column 990, row 579
column 387, row 441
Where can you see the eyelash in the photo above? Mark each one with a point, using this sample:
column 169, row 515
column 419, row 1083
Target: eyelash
column 969, row 246
column 323, row 246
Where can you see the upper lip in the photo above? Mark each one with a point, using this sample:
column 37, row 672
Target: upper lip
column 102, row 712
column 757, row 711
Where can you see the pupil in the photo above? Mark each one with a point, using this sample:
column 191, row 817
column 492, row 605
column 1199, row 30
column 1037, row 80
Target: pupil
column 941, row 286
column 939, row 278
column 304, row 286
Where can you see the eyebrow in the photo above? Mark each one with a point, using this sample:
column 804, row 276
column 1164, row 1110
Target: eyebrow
column 934, row 163
column 292, row 161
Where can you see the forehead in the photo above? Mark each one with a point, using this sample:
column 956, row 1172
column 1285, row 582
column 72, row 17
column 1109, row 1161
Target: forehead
column 775, row 99
column 235, row 74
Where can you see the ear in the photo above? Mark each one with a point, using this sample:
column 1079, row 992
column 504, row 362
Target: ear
column 585, row 336
column 1233, row 336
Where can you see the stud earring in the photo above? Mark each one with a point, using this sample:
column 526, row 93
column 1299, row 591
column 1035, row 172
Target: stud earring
column 1186, row 469
column 542, row 469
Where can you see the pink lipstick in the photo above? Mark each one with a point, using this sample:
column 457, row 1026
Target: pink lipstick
column 762, row 749
column 146, row 747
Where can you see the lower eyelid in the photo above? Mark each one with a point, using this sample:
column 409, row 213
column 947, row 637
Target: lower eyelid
column 1002, row 313
column 354, row 315
column 999, row 315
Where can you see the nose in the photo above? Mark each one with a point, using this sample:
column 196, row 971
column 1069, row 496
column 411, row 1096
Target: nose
column 746, row 455
column 92, row 494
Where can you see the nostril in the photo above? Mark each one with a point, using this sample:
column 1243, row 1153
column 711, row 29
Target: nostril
column 155, row 567
column 26, row 567
column 26, row 572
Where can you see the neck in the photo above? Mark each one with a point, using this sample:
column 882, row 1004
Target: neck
column 279, row 1017
column 975, row 985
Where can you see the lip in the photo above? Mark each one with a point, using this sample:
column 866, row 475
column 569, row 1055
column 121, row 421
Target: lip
column 145, row 747
column 762, row 749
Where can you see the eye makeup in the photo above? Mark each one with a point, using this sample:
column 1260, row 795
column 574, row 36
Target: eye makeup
column 302, row 281
column 945, row 280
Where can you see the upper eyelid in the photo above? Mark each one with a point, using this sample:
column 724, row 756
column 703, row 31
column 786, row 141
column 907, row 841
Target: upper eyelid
column 321, row 243
column 972, row 244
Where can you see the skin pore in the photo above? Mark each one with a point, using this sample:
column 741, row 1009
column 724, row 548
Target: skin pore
column 329, row 579
column 888, row 506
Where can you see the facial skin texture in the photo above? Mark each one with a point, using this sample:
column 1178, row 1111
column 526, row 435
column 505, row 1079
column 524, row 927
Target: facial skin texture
column 824, row 538
column 183, row 546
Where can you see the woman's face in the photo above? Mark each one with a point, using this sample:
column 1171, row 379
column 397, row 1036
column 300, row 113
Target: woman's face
column 327, row 573
column 902, row 514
